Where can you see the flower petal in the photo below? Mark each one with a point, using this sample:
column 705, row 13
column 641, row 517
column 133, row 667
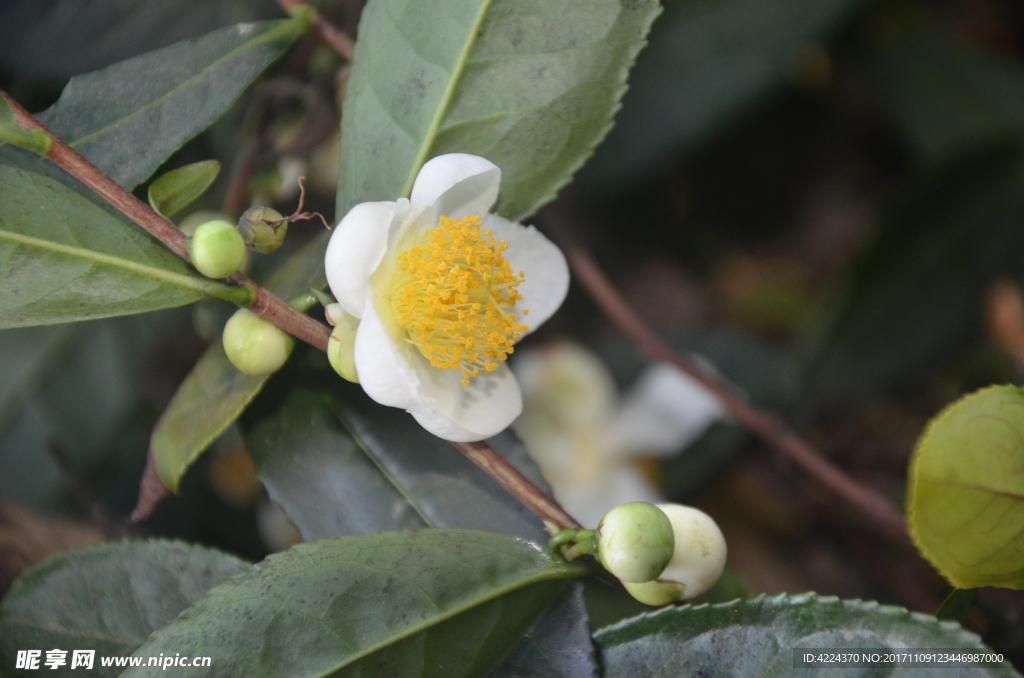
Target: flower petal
column 357, row 246
column 456, row 185
column 452, row 411
column 385, row 372
column 547, row 273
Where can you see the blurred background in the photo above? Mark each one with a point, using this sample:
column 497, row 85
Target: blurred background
column 822, row 199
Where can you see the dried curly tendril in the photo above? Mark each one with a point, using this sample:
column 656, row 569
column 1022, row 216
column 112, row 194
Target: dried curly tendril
column 455, row 296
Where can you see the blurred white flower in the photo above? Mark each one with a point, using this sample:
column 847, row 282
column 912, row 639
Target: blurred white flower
column 587, row 443
column 440, row 290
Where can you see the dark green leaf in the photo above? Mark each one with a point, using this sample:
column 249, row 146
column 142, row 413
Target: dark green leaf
column 107, row 598
column 558, row 645
column 76, row 387
column 529, row 84
column 128, row 118
column 459, row 600
column 951, row 100
column 914, row 295
column 35, row 140
column 214, row 393
column 708, row 61
column 757, row 638
column 179, row 187
column 66, row 255
column 55, row 39
column 377, row 469
column 965, row 492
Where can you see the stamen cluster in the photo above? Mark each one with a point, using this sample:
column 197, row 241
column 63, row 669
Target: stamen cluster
column 454, row 296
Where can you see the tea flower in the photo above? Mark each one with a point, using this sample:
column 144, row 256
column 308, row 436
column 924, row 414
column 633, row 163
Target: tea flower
column 441, row 290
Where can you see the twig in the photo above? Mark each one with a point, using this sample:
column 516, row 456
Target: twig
column 535, row 499
column 338, row 41
column 765, row 426
column 265, row 304
column 275, row 310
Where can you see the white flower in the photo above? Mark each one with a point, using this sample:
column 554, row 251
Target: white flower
column 441, row 290
column 586, row 442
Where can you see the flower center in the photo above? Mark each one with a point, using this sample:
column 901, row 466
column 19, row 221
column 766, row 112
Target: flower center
column 453, row 295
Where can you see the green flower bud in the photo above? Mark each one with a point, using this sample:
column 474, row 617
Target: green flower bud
column 341, row 345
column 258, row 234
column 217, row 249
column 697, row 560
column 635, row 541
column 254, row 345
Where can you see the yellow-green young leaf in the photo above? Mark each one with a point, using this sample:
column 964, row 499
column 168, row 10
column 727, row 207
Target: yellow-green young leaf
column 179, row 187
column 33, row 139
column 966, row 490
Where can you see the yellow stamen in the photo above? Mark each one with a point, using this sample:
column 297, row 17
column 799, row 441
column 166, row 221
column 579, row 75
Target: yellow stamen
column 455, row 294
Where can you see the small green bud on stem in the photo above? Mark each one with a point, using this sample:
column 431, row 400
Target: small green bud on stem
column 255, row 346
column 217, row 250
column 263, row 229
column 698, row 559
column 341, row 347
column 635, row 541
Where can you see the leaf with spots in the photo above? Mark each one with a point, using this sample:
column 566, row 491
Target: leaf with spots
column 759, row 637
column 66, row 255
column 107, row 598
column 456, row 602
column 531, row 85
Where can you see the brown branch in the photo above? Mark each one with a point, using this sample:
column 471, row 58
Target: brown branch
column 765, row 426
column 338, row 41
column 535, row 499
column 265, row 304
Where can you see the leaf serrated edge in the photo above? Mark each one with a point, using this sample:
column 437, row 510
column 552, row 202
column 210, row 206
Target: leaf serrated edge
column 807, row 599
column 913, row 479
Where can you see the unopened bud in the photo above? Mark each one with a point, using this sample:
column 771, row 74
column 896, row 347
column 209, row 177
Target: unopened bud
column 697, row 560
column 254, row 345
column 217, row 249
column 259, row 233
column 341, row 346
column 635, row 541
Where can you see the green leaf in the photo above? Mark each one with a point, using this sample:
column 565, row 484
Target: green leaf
column 966, row 491
column 757, row 637
column 107, row 598
column 179, row 187
column 459, row 600
column 130, row 117
column 77, row 387
column 215, row 393
column 913, row 297
column 350, row 466
column 558, row 645
column 67, row 255
column 35, row 140
column 951, row 100
column 529, row 84
column 709, row 61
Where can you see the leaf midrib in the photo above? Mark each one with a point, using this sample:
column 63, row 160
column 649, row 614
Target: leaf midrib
column 265, row 37
column 446, row 97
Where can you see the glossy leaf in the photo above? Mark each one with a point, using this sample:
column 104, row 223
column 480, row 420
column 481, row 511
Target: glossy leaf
column 352, row 466
column 461, row 599
column 758, row 637
column 965, row 492
column 708, row 62
column 107, row 598
column 76, row 387
column 65, row 255
column 130, row 117
column 558, row 645
column 949, row 99
column 529, row 84
column 214, row 393
column 179, row 187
